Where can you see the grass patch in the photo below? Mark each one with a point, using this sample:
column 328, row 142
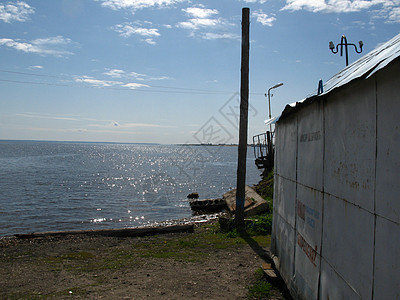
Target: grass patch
column 189, row 247
column 257, row 225
column 265, row 188
column 260, row 289
column 81, row 261
column 260, row 225
column 81, row 255
column 263, row 240
column 115, row 259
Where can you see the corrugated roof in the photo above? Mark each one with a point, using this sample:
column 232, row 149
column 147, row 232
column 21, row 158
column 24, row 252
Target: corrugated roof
column 363, row 68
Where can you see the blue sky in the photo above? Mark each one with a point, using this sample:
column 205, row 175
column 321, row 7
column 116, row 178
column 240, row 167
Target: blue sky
column 168, row 71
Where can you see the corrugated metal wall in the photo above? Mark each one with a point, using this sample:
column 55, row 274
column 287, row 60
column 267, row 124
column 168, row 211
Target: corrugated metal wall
column 336, row 221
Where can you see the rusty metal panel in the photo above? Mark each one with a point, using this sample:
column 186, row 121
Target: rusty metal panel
column 387, row 260
column 310, row 146
column 283, row 242
column 350, row 144
column 286, row 146
column 348, row 243
column 333, row 286
column 388, row 158
column 285, row 200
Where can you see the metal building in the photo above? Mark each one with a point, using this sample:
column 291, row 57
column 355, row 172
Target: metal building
column 336, row 227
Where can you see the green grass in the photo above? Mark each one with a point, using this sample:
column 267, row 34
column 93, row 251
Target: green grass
column 187, row 248
column 257, row 225
column 265, row 188
column 263, row 240
column 87, row 262
column 194, row 247
column 261, row 225
column 260, row 289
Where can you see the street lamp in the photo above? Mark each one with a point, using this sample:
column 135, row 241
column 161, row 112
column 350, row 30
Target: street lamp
column 269, row 101
column 343, row 42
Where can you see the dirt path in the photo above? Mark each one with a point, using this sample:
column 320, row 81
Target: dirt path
column 199, row 265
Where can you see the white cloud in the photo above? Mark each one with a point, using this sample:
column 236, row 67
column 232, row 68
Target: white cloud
column 200, row 12
column 101, row 126
column 36, row 67
column 150, row 41
column 384, row 9
column 263, row 18
column 46, row 46
column 96, row 82
column 114, row 73
column 128, row 29
column 199, row 17
column 112, row 124
column 137, row 76
column 132, row 125
column 195, row 24
column 215, row 36
column 161, row 78
column 15, row 11
column 129, row 125
column 46, row 116
column 82, row 130
column 255, row 1
column 117, row 73
column 56, row 40
column 134, row 5
column 394, row 15
column 204, row 23
column 331, row 6
column 134, row 85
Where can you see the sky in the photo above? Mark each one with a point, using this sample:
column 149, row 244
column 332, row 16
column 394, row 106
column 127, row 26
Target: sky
column 168, row 71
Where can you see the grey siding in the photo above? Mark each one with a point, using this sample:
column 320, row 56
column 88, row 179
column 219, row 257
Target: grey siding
column 336, row 222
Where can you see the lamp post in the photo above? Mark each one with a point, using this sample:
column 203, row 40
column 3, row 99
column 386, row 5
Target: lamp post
column 269, row 101
column 343, row 42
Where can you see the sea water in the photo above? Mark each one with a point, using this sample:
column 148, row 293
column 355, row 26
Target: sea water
column 51, row 186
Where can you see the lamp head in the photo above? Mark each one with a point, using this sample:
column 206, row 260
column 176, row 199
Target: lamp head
column 331, row 45
column 277, row 85
column 361, row 43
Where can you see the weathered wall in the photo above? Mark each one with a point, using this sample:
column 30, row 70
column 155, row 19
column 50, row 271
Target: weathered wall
column 336, row 228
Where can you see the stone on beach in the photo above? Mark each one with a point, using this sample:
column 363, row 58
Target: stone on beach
column 254, row 203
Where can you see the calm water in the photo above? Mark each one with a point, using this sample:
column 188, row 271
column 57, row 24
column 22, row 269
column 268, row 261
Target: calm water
column 46, row 186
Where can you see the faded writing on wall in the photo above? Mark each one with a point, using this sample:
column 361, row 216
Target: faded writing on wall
column 307, row 214
column 311, row 136
column 310, row 252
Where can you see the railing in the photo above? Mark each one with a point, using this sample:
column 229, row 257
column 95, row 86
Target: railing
column 264, row 150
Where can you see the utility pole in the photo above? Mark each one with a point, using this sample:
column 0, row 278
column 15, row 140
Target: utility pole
column 244, row 109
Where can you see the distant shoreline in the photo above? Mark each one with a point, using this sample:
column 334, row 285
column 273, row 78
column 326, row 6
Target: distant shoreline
column 122, row 143
column 81, row 142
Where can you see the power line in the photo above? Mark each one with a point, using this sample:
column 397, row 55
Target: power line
column 30, row 74
column 180, row 90
column 31, row 82
column 112, row 88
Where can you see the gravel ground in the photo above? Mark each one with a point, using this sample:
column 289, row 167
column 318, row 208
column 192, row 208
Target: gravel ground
column 199, row 265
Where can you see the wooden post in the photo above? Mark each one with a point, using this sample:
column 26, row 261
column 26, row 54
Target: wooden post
column 244, row 108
